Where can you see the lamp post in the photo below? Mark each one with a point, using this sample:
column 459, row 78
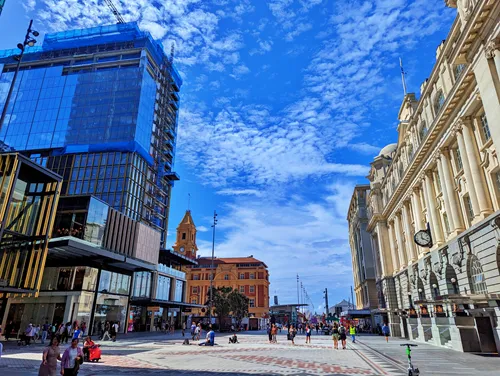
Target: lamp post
column 28, row 41
column 212, row 268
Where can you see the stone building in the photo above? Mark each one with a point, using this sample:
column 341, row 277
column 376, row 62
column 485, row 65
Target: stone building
column 441, row 180
column 361, row 250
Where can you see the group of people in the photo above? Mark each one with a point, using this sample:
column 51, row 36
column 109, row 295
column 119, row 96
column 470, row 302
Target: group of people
column 63, row 332
column 71, row 359
column 109, row 331
column 165, row 327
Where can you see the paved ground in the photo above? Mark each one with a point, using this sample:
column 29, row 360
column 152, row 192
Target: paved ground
column 155, row 354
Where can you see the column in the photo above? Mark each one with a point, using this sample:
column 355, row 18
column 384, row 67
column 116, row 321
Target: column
column 444, row 188
column 399, row 238
column 409, row 233
column 394, row 255
column 486, row 70
column 437, row 233
column 417, row 214
column 455, row 211
column 478, row 182
column 381, row 247
column 467, row 172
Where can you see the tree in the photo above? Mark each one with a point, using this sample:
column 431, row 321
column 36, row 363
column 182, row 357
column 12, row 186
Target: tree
column 238, row 304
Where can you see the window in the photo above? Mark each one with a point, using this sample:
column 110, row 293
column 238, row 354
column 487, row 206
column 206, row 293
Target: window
column 439, row 102
column 252, row 303
column 242, row 276
column 477, row 283
column 194, row 301
column 485, row 128
column 446, row 223
column 183, row 236
column 252, row 288
column 242, row 289
column 438, row 182
column 459, row 69
column 410, row 153
column 252, row 275
column 196, row 277
column 496, row 179
column 469, row 208
column 226, row 277
column 194, row 290
column 422, row 132
column 460, row 166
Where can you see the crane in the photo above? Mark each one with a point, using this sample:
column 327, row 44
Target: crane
column 117, row 14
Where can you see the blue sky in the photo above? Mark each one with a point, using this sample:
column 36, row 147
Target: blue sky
column 284, row 105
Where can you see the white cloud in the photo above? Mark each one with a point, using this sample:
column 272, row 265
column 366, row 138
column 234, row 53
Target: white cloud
column 240, row 71
column 239, row 192
column 202, row 228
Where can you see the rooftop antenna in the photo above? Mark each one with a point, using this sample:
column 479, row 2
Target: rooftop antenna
column 403, row 75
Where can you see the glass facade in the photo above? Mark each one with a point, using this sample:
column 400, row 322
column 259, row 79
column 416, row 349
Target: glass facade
column 179, row 291
column 142, row 285
column 163, row 289
column 100, row 108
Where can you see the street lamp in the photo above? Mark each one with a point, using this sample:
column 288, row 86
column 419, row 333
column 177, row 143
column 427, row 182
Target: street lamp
column 212, row 268
column 30, row 42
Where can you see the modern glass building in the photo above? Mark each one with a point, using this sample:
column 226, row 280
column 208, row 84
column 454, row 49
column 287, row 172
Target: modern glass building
column 99, row 107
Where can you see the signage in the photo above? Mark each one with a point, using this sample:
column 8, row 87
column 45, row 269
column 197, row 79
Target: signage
column 154, row 309
column 187, row 309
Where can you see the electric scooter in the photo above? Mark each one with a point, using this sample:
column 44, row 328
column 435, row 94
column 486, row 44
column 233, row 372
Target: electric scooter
column 412, row 371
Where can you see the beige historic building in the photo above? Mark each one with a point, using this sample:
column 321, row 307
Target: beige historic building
column 443, row 175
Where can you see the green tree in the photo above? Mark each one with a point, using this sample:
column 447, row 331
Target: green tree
column 238, row 304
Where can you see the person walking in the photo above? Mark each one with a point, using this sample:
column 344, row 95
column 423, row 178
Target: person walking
column 107, row 328
column 29, row 333
column 292, row 332
column 114, row 331
column 274, row 332
column 183, row 329
column 386, row 332
column 71, row 359
column 335, row 336
column 197, row 332
column 193, row 329
column 308, row 334
column 352, row 332
column 78, row 333
column 317, row 328
column 51, row 354
column 8, row 330
column 342, row 335
column 270, row 333
column 68, row 332
column 45, row 331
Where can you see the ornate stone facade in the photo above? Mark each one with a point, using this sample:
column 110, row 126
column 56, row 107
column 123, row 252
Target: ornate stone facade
column 444, row 175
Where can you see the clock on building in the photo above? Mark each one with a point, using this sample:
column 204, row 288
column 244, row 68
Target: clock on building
column 423, row 238
column 181, row 249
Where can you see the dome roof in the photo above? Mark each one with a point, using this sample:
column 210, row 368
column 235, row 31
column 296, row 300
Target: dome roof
column 388, row 150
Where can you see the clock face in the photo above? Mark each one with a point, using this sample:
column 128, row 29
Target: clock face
column 181, row 249
column 423, row 238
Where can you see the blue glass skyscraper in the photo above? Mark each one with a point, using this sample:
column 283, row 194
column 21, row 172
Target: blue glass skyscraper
column 98, row 106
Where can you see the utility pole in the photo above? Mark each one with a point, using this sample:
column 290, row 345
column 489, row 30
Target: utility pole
column 298, row 296
column 212, row 268
column 326, row 301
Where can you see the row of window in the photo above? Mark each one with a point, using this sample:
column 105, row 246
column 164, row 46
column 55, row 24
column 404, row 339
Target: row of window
column 227, row 277
column 251, row 302
column 251, row 289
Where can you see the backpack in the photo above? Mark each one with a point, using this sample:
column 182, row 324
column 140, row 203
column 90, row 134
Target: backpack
column 342, row 330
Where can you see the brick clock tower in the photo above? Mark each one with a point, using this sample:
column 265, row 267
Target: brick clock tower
column 185, row 244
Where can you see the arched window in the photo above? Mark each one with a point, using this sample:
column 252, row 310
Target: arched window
column 434, row 285
column 439, row 101
column 459, row 70
column 476, row 276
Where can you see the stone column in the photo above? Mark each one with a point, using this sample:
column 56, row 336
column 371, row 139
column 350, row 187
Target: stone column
column 409, row 233
column 467, row 172
column 430, row 199
column 395, row 259
column 399, row 238
column 479, row 182
column 417, row 210
column 455, row 211
column 444, row 188
column 487, row 73
column 385, row 262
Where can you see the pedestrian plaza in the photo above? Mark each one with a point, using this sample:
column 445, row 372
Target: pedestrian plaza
column 161, row 354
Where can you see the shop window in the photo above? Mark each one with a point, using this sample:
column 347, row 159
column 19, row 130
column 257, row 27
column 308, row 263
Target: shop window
column 476, row 276
column 485, row 128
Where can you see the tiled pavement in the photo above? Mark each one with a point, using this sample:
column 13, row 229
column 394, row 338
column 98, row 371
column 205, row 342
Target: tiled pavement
column 154, row 355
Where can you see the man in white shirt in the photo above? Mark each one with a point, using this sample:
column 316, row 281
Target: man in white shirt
column 115, row 330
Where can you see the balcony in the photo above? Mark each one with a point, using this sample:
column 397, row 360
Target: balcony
column 171, row 271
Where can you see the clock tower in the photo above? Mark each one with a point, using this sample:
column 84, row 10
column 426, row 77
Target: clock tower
column 185, row 243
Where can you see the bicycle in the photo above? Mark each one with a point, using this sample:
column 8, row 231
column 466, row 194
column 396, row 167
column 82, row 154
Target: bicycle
column 412, row 371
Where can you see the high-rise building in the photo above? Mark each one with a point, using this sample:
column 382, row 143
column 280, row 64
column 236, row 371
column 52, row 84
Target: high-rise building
column 434, row 199
column 99, row 107
column 2, row 3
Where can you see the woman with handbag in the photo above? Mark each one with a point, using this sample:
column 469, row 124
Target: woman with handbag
column 71, row 359
column 50, row 356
